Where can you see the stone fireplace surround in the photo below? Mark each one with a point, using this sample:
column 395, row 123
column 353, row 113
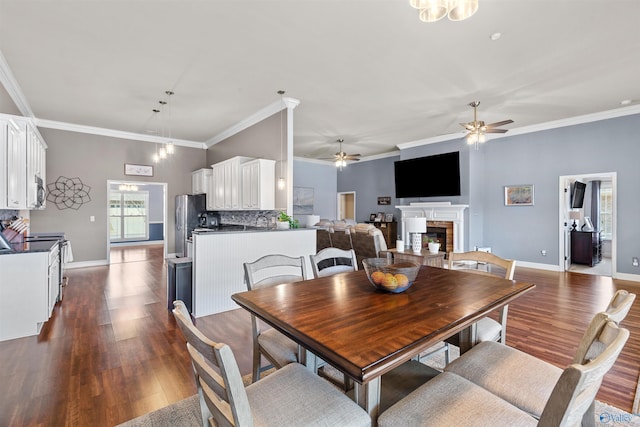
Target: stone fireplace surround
column 441, row 215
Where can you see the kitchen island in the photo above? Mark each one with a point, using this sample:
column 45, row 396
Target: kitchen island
column 218, row 259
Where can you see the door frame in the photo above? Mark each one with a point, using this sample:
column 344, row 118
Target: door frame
column 340, row 201
column 164, row 212
column 563, row 221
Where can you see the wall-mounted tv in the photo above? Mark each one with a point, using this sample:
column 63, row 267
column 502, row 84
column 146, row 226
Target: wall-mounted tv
column 577, row 195
column 430, row 176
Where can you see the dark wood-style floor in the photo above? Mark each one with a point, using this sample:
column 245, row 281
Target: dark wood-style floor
column 111, row 351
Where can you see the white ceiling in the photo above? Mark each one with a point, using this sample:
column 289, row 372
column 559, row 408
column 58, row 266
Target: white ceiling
column 366, row 71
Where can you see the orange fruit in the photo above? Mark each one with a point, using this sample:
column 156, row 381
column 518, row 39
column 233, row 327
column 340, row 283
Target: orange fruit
column 390, row 281
column 377, row 277
column 402, row 280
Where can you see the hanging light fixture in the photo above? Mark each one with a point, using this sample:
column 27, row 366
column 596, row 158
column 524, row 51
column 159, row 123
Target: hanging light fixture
column 162, row 151
column 435, row 10
column 156, row 155
column 169, row 145
column 281, row 180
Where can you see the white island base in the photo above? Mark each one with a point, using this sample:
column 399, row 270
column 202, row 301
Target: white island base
column 218, row 257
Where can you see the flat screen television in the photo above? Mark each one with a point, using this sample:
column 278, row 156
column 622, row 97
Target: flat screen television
column 577, row 195
column 430, row 176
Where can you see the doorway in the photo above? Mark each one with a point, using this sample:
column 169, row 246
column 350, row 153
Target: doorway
column 346, row 205
column 136, row 220
column 604, row 197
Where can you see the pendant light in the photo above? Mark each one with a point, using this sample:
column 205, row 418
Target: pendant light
column 162, row 152
column 156, row 155
column 169, row 145
column 281, row 180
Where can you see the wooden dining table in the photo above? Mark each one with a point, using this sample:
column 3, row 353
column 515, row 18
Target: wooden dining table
column 365, row 332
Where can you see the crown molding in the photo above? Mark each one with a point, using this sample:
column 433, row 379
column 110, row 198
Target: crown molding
column 268, row 111
column 572, row 121
column 362, row 160
column 13, row 88
column 51, row 124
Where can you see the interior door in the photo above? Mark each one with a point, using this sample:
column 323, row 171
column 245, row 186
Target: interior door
column 347, row 205
column 567, row 226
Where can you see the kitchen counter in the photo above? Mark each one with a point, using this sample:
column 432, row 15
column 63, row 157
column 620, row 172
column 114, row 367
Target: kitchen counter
column 28, row 247
column 232, row 228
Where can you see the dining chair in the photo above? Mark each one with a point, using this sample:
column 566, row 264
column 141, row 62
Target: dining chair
column 325, row 263
column 503, row 370
column 480, row 262
column 291, row 396
column 451, row 399
column 331, row 261
column 271, row 270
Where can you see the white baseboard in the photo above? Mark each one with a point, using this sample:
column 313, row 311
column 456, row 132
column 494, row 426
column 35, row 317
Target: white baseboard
column 539, row 266
column 83, row 264
column 627, row 276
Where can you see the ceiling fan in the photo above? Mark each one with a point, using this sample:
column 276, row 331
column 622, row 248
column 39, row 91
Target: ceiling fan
column 340, row 158
column 476, row 129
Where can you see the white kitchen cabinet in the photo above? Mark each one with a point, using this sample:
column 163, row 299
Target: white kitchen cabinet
column 35, row 168
column 24, row 294
column 226, row 183
column 200, row 180
column 258, row 184
column 22, row 160
column 16, row 165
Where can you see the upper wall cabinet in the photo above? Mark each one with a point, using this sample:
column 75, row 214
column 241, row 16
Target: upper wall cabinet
column 22, row 165
column 258, row 184
column 200, row 181
column 226, row 184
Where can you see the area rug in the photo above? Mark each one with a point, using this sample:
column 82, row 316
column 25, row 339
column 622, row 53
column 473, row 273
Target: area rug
column 186, row 413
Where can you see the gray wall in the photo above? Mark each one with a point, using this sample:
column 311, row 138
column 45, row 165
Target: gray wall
column 323, row 179
column 538, row 158
column 95, row 160
column 541, row 158
column 261, row 140
column 370, row 180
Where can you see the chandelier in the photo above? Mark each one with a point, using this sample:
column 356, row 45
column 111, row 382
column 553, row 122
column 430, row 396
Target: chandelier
column 435, row 10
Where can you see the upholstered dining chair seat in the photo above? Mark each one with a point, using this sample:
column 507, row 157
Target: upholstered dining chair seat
column 294, row 396
column 452, row 400
column 488, row 329
column 521, row 379
column 517, row 377
column 278, row 346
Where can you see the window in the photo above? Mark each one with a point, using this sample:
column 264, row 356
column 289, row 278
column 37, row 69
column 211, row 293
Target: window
column 128, row 215
column 606, row 210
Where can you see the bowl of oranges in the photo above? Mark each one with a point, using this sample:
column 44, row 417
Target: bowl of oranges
column 390, row 277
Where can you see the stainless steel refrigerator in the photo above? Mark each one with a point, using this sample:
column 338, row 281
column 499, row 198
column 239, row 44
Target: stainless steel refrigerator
column 188, row 206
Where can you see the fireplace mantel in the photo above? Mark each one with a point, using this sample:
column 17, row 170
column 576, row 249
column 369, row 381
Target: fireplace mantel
column 438, row 211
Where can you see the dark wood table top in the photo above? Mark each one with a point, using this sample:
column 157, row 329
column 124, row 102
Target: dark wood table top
column 365, row 332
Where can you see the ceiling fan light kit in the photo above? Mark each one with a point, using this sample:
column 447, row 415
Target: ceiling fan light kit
column 435, row 10
column 477, row 129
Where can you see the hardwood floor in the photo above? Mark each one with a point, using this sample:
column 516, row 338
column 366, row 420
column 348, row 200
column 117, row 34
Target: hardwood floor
column 111, row 351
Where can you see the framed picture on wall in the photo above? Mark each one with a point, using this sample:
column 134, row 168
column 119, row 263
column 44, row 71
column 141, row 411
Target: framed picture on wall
column 518, row 195
column 138, row 170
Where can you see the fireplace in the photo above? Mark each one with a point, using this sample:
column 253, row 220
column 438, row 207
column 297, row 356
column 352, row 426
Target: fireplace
column 444, row 221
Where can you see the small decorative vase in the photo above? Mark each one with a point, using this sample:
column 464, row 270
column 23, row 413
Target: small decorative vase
column 282, row 225
column 434, row 248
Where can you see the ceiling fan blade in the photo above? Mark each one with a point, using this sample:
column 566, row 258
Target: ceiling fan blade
column 496, row 131
column 468, row 126
column 498, row 124
column 353, row 155
column 352, row 159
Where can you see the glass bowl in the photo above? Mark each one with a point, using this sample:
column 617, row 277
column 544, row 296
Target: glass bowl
column 385, row 275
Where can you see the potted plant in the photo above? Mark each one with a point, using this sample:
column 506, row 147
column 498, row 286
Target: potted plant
column 434, row 246
column 284, row 221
